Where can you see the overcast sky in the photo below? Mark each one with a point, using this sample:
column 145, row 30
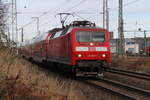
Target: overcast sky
column 134, row 11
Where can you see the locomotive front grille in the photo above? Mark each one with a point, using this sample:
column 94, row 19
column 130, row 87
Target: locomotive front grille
column 89, row 63
column 89, row 66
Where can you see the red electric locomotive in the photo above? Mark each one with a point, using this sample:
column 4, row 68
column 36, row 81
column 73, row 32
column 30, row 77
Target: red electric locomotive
column 81, row 47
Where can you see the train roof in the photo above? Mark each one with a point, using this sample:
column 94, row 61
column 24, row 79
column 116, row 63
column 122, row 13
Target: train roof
column 56, row 32
column 60, row 32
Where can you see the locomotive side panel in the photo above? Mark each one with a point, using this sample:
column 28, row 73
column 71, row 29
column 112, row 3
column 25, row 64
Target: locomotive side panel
column 59, row 49
column 44, row 52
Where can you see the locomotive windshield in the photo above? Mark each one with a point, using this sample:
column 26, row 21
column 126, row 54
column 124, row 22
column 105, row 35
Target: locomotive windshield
column 90, row 36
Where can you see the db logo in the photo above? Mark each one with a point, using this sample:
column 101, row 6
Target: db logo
column 92, row 49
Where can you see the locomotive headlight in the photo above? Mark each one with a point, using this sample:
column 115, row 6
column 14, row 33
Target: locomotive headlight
column 104, row 55
column 79, row 55
column 91, row 44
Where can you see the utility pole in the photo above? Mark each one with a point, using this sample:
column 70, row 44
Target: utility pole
column 22, row 35
column 16, row 23
column 107, row 16
column 145, row 41
column 12, row 20
column 1, row 13
column 104, row 12
column 8, row 36
column 121, row 44
column 38, row 24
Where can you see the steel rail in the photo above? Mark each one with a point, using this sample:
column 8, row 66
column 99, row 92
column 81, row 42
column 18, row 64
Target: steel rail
column 129, row 73
column 129, row 87
column 148, row 75
column 133, row 92
column 123, row 95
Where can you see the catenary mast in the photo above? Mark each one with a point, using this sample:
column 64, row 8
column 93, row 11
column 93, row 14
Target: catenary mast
column 121, row 40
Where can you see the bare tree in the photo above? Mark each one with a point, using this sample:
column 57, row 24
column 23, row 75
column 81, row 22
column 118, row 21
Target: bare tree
column 4, row 33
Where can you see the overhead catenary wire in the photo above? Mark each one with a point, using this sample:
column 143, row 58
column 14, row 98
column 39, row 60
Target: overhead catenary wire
column 79, row 16
column 69, row 9
column 124, row 5
column 75, row 6
column 132, row 2
column 43, row 14
column 74, row 14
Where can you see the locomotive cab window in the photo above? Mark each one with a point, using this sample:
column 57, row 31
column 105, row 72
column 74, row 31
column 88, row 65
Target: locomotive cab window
column 90, row 36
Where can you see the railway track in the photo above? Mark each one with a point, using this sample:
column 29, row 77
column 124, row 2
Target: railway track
column 91, row 82
column 125, row 91
column 129, row 73
column 122, row 90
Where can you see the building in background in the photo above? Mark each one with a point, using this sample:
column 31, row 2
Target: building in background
column 113, row 46
column 132, row 45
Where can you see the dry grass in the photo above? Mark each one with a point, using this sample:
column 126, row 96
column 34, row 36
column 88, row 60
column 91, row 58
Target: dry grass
column 20, row 80
column 141, row 64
